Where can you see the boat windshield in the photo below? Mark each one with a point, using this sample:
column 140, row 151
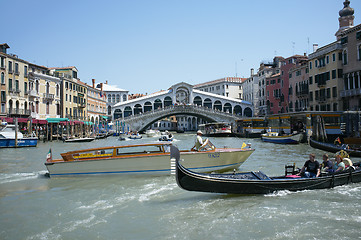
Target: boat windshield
column 140, row 149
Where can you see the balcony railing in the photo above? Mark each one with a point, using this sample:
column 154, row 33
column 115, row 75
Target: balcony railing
column 48, row 96
column 322, row 99
column 350, row 92
column 17, row 111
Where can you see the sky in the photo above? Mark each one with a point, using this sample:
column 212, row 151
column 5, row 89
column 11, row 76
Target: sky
column 144, row 46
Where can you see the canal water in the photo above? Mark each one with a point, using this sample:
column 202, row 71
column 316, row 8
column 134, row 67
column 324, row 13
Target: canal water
column 139, row 207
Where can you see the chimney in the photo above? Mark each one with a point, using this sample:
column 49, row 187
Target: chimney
column 93, row 81
column 101, row 87
column 252, row 72
column 315, row 47
column 106, row 81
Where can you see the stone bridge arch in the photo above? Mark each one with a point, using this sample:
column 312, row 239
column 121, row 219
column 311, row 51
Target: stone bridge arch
column 143, row 121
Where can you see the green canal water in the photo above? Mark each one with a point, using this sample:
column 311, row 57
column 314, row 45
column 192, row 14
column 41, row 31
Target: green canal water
column 142, row 207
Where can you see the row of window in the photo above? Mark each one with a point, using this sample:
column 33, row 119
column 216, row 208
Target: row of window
column 75, row 87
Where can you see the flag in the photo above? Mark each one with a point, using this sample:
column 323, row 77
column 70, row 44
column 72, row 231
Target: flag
column 49, row 157
column 243, row 145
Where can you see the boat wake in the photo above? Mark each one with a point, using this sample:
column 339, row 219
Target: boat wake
column 16, row 177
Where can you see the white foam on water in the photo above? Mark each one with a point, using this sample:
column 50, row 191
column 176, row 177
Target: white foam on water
column 48, row 234
column 81, row 223
column 15, row 177
column 154, row 190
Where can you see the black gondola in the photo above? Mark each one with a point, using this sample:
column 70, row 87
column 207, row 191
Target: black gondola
column 257, row 182
column 334, row 148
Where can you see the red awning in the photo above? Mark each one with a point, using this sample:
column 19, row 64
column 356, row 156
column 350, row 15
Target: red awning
column 38, row 121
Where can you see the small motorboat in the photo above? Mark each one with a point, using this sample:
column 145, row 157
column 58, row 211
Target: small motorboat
column 257, row 182
column 273, row 137
column 166, row 138
column 150, row 159
column 135, row 136
column 330, row 147
column 10, row 137
column 84, row 139
column 152, row 133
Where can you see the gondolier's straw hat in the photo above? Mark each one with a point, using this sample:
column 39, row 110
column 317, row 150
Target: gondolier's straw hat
column 199, row 132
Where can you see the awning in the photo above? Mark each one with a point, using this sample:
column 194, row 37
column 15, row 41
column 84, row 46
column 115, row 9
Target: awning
column 56, row 120
column 88, row 123
column 105, row 117
column 38, row 121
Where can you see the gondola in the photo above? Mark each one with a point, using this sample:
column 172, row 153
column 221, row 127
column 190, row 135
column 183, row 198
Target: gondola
column 330, row 147
column 257, row 182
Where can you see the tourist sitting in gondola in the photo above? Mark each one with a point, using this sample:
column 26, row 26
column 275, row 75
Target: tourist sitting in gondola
column 339, row 164
column 311, row 168
column 326, row 164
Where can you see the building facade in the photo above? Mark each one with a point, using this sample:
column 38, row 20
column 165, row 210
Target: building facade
column 351, row 52
column 298, row 87
column 228, row 87
column 73, row 93
column 97, row 104
column 43, row 93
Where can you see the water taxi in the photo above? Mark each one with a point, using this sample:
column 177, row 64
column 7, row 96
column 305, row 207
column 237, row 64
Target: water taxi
column 151, row 158
column 216, row 129
column 11, row 137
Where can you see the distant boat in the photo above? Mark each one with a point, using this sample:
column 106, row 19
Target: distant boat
column 152, row 133
column 7, row 138
column 330, row 147
column 284, row 139
column 135, row 136
column 86, row 139
column 166, row 138
column 216, row 129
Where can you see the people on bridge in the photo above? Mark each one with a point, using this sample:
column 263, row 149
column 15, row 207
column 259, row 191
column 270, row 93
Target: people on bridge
column 199, row 141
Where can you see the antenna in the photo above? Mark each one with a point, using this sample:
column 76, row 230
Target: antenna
column 308, row 45
column 293, row 48
column 236, row 68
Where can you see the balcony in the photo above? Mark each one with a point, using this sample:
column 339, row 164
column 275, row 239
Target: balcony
column 17, row 73
column 81, row 105
column 321, row 83
column 322, row 99
column 18, row 112
column 350, row 92
column 48, row 96
column 14, row 92
column 33, row 93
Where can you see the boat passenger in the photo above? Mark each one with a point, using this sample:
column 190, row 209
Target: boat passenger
column 339, row 164
column 311, row 168
column 199, row 141
column 326, row 164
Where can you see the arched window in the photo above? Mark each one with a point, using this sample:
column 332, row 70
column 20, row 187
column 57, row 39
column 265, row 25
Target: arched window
column 137, row 109
column 344, row 57
column 113, row 98
column 147, row 106
column 217, row 105
column 359, row 52
column 248, row 112
column 47, row 88
column 157, row 104
column 2, row 78
column 37, row 86
column 237, row 110
column 167, row 101
column 207, row 103
column 109, row 98
column 124, row 97
column 118, row 98
column 197, row 101
column 57, row 90
column 227, row 108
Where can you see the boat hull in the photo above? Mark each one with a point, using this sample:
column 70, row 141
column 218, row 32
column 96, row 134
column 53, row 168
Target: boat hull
column 23, row 142
column 289, row 139
column 79, row 140
column 333, row 148
column 159, row 164
column 243, row 184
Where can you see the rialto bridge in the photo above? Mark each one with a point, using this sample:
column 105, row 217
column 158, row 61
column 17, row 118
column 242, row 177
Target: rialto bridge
column 180, row 99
